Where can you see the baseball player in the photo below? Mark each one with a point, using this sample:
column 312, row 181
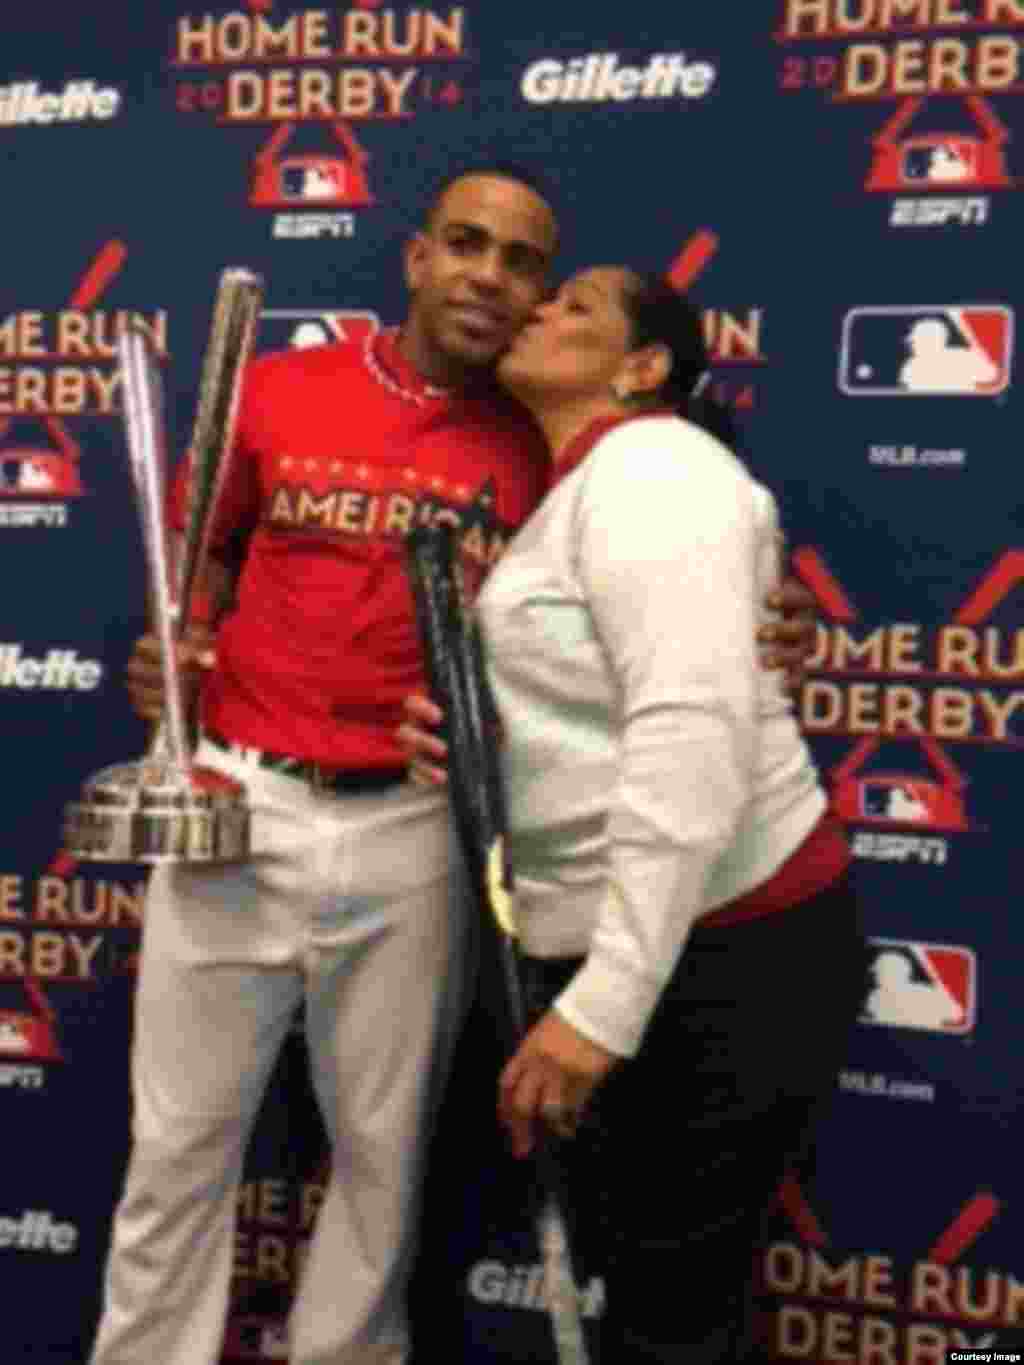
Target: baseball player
column 344, row 905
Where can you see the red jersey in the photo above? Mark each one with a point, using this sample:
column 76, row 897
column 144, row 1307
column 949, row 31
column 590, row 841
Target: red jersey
column 340, row 451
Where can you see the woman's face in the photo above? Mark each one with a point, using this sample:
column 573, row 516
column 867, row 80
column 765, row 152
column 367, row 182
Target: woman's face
column 575, row 344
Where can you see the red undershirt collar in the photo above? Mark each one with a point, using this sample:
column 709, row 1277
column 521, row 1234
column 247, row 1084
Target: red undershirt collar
column 583, row 443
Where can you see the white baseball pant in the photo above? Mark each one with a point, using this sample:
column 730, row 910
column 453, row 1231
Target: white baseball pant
column 347, row 904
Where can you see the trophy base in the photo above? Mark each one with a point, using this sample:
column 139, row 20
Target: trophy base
column 154, row 811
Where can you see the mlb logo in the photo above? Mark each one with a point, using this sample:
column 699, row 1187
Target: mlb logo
column 15, row 1039
column 960, row 350
column 327, row 179
column 27, row 1037
column 938, row 160
column 929, row 987
column 38, row 473
column 285, row 329
column 899, row 800
column 313, row 179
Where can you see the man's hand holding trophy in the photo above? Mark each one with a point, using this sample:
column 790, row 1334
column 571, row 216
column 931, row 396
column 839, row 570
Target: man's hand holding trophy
column 163, row 807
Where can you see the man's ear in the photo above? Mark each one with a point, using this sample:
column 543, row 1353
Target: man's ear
column 414, row 258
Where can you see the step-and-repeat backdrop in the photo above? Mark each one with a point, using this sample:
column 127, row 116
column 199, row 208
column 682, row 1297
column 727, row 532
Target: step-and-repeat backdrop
column 837, row 183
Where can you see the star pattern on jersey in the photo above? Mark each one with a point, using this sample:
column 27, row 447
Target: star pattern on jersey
column 475, row 509
column 478, row 507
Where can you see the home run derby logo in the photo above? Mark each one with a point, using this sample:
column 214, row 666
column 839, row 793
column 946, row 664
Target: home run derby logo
column 904, row 807
column 733, row 339
column 863, row 1307
column 914, row 690
column 58, row 930
column 56, row 365
column 943, row 60
column 309, row 77
column 956, row 683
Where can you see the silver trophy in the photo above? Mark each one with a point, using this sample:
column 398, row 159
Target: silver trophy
column 163, row 808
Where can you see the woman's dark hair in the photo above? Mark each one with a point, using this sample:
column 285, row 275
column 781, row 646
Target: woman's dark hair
column 660, row 315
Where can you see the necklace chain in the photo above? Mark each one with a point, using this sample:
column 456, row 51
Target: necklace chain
column 430, row 391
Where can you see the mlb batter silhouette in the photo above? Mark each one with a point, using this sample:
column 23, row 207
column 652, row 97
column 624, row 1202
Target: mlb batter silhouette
column 900, row 1001
column 934, row 366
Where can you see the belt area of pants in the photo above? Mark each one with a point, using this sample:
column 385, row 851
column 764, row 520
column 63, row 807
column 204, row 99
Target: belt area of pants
column 318, row 776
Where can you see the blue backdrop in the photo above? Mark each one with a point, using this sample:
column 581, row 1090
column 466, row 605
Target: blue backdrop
column 837, row 182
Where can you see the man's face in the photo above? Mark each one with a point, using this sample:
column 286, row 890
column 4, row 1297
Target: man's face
column 476, row 271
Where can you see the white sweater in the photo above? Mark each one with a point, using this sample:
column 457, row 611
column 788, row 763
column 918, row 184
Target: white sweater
column 654, row 770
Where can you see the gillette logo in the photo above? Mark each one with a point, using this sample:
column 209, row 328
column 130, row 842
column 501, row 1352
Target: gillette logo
column 36, row 1230
column 60, row 671
column 522, row 1286
column 24, row 103
column 598, row 77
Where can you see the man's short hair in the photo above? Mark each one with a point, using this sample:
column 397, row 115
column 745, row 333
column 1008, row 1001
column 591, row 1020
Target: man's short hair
column 503, row 170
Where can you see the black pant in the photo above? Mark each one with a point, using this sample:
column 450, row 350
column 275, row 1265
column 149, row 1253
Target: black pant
column 671, row 1176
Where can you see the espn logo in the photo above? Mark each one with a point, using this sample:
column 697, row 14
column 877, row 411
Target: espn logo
column 305, row 227
column 961, row 350
column 931, row 987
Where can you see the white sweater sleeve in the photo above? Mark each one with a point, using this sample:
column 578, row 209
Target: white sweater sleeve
column 666, row 531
